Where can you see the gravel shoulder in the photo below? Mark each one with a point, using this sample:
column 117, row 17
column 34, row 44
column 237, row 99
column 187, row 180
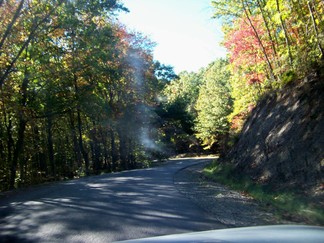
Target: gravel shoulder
column 229, row 207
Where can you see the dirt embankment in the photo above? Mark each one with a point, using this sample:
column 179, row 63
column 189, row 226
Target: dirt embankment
column 282, row 142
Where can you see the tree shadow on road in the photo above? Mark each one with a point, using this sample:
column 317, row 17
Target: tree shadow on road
column 111, row 207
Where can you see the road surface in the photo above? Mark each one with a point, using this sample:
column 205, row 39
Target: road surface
column 105, row 208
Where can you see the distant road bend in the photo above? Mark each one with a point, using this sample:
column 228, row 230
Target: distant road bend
column 105, row 208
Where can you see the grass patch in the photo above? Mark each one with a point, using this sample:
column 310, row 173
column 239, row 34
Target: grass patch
column 290, row 205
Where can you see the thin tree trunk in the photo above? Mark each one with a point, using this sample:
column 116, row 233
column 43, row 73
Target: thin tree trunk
column 113, row 150
column 122, row 150
column 50, row 146
column 31, row 36
column 286, row 33
column 10, row 142
column 75, row 141
column 107, row 164
column 40, row 159
column 315, row 29
column 11, row 24
column 2, row 146
column 81, row 145
column 272, row 41
column 95, row 150
column 259, row 40
column 22, row 122
column 131, row 156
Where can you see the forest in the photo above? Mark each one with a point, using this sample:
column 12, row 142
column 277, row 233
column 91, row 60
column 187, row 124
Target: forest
column 80, row 94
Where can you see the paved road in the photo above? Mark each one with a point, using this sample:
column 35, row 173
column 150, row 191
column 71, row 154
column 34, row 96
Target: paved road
column 111, row 207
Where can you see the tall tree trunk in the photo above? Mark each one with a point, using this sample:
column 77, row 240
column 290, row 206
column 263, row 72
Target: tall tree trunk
column 32, row 33
column 10, row 141
column 283, row 26
column 299, row 9
column 10, row 144
column 259, row 40
column 2, row 146
column 82, row 149
column 272, row 41
column 11, row 24
column 114, row 156
column 50, row 146
column 22, row 122
column 75, row 141
column 131, row 156
column 95, row 150
column 40, row 160
column 123, row 150
column 310, row 8
column 17, row 151
column 78, row 109
column 107, row 164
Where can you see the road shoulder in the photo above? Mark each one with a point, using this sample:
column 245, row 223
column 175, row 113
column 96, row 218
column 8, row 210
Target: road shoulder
column 229, row 207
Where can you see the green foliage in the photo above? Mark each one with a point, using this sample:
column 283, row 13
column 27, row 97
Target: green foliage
column 164, row 72
column 243, row 95
column 185, row 88
column 213, row 104
column 286, row 79
column 284, row 203
column 196, row 107
column 177, row 111
column 270, row 44
column 77, row 91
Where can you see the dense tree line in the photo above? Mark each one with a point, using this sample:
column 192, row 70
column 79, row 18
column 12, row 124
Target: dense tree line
column 75, row 91
column 270, row 43
column 80, row 94
column 196, row 108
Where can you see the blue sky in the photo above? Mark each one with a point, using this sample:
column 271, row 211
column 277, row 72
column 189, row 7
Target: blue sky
column 187, row 37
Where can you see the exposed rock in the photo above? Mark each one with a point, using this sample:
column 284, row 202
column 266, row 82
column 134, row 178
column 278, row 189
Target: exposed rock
column 282, row 142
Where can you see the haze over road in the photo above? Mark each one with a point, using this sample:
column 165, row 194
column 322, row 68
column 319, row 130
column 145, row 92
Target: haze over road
column 110, row 207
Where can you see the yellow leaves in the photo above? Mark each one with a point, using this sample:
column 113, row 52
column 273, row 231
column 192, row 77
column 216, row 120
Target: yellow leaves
column 58, row 33
column 85, row 138
column 99, row 21
column 23, row 36
column 4, row 60
column 271, row 4
column 276, row 18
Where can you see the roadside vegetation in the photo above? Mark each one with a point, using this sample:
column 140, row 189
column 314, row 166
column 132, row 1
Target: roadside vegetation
column 77, row 92
column 291, row 205
column 80, row 94
column 273, row 45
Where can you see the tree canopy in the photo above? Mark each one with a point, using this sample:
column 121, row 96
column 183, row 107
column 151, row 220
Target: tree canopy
column 270, row 43
column 74, row 86
column 214, row 104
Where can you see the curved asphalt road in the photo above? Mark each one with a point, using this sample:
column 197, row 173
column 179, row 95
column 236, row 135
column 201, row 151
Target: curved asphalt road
column 110, row 207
